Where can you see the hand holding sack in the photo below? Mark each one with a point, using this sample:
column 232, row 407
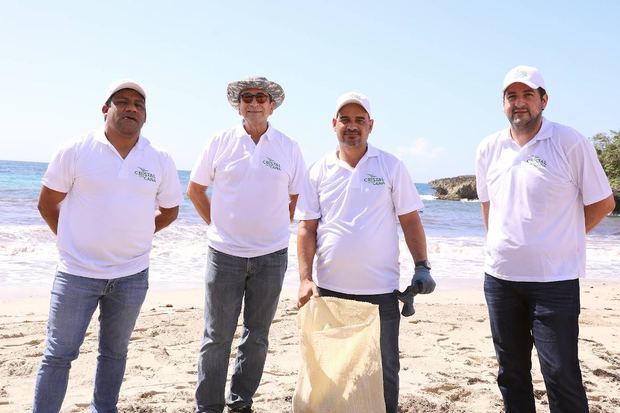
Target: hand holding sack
column 340, row 358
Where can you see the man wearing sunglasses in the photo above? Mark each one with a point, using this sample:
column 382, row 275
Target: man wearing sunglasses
column 348, row 213
column 255, row 172
column 104, row 197
column 542, row 188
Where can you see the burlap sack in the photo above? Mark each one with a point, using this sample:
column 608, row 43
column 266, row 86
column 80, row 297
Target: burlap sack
column 340, row 358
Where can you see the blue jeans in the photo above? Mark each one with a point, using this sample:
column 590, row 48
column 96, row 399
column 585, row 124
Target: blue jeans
column 544, row 314
column 389, row 317
column 72, row 304
column 229, row 281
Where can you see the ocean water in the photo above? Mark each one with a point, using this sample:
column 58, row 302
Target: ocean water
column 455, row 238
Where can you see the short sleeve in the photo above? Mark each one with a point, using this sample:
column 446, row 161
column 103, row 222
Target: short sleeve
column 588, row 173
column 308, row 205
column 203, row 171
column 298, row 170
column 481, row 178
column 60, row 173
column 169, row 194
column 404, row 193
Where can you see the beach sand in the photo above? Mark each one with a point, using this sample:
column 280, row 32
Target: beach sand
column 447, row 358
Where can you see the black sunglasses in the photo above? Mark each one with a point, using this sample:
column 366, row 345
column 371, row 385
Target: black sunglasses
column 249, row 97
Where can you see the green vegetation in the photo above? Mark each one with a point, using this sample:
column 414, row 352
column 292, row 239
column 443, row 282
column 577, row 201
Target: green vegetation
column 608, row 150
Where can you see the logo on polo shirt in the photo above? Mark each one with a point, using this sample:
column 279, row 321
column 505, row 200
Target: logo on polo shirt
column 374, row 180
column 271, row 164
column 145, row 174
column 537, row 161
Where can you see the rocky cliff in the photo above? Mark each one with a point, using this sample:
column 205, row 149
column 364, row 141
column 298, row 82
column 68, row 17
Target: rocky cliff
column 464, row 187
column 456, row 188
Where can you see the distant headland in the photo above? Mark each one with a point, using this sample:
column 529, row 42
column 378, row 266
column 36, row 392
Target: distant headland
column 464, row 187
column 455, row 188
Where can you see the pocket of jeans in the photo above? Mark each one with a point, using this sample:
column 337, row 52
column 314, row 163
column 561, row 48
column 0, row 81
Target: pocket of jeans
column 144, row 275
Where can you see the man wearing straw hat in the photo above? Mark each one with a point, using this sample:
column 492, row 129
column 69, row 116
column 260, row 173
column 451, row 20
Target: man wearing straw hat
column 349, row 210
column 542, row 189
column 255, row 172
column 104, row 197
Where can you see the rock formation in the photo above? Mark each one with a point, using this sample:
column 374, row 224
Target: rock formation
column 464, row 187
column 456, row 188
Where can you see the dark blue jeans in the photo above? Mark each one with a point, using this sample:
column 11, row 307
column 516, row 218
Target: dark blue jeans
column 230, row 281
column 544, row 314
column 389, row 318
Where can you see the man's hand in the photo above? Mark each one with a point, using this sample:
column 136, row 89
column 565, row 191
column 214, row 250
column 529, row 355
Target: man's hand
column 423, row 280
column 307, row 289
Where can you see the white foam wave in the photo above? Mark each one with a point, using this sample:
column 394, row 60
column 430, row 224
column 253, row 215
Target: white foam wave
column 28, row 259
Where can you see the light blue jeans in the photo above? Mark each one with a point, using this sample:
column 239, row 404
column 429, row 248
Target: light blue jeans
column 231, row 280
column 72, row 304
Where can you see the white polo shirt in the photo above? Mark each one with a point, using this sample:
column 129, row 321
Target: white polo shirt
column 251, row 186
column 107, row 219
column 537, row 194
column 358, row 208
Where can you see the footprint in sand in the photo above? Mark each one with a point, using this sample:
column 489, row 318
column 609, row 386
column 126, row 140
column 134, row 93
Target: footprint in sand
column 475, row 380
column 459, row 395
column 608, row 374
column 28, row 343
column 443, row 388
column 12, row 335
column 149, row 394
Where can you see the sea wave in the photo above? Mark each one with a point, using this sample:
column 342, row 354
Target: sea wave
column 28, row 258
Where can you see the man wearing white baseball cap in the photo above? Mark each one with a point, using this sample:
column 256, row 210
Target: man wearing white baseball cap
column 542, row 189
column 104, row 197
column 348, row 215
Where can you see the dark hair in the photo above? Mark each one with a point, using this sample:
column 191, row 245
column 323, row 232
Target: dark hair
column 542, row 92
column 109, row 101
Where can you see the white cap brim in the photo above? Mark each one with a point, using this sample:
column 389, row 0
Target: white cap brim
column 353, row 97
column 124, row 84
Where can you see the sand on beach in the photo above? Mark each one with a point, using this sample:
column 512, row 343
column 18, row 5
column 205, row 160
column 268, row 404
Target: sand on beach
column 447, row 358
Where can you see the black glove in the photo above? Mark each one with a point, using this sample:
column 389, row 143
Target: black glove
column 421, row 283
column 407, row 298
column 422, row 275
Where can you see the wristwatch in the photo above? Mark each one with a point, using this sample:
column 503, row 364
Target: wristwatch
column 425, row 263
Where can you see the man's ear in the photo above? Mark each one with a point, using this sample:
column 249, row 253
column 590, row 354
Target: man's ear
column 104, row 110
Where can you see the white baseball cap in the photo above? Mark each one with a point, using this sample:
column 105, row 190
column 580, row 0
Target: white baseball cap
column 124, row 84
column 353, row 97
column 527, row 75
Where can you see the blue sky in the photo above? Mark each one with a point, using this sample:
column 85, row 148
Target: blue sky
column 432, row 69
